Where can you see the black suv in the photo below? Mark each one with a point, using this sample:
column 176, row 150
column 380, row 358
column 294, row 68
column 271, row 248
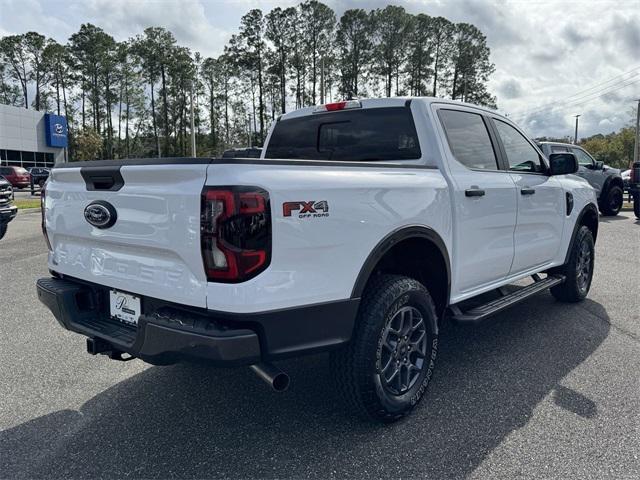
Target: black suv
column 7, row 210
column 39, row 175
column 634, row 187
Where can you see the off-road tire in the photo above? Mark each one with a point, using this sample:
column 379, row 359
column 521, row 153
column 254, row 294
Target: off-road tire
column 576, row 287
column 3, row 230
column 611, row 204
column 357, row 367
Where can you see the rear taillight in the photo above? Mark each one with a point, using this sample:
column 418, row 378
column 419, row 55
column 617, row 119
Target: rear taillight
column 235, row 233
column 42, row 213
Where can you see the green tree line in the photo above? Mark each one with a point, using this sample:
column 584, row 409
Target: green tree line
column 614, row 149
column 133, row 98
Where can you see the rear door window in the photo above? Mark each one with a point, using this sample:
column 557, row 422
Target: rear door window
column 469, row 139
column 373, row 134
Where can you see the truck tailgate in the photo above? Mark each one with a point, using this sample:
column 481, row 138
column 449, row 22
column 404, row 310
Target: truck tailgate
column 152, row 249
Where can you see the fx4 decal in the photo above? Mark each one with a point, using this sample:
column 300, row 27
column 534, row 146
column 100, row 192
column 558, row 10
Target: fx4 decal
column 310, row 209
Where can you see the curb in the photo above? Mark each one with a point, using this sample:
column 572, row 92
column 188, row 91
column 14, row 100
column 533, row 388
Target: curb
column 26, row 211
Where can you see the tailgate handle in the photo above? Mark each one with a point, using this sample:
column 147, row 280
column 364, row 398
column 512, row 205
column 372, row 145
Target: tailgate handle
column 102, row 178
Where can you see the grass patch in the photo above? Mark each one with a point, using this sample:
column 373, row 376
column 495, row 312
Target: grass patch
column 27, row 203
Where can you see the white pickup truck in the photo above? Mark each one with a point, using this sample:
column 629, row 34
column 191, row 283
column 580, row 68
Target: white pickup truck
column 364, row 225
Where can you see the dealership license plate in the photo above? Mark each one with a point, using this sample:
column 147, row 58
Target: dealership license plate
column 124, row 306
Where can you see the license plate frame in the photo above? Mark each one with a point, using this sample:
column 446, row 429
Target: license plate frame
column 125, row 307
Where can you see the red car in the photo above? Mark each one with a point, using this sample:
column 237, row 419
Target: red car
column 17, row 176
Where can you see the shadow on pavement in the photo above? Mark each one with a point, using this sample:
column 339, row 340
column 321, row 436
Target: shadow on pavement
column 617, row 218
column 193, row 421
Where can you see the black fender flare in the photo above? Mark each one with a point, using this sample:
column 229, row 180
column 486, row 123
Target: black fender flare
column 393, row 238
column 589, row 208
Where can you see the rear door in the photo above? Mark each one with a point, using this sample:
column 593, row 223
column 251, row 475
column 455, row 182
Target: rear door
column 152, row 249
column 540, row 199
column 484, row 201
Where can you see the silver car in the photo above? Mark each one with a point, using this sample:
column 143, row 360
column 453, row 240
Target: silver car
column 607, row 181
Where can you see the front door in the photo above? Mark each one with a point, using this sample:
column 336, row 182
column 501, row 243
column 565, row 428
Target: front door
column 587, row 169
column 541, row 201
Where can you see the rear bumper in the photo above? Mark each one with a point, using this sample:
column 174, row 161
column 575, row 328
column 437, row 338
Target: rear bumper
column 161, row 338
column 168, row 333
column 8, row 213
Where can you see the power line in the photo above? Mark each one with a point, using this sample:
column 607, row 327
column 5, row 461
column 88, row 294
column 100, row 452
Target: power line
column 578, row 101
column 575, row 98
column 617, row 80
column 610, row 80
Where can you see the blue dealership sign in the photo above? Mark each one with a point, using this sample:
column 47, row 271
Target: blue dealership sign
column 55, row 130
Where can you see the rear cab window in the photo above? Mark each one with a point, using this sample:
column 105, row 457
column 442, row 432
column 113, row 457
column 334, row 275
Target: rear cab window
column 369, row 134
column 469, row 139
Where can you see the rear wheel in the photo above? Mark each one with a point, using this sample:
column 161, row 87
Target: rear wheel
column 3, row 230
column 612, row 203
column 578, row 271
column 384, row 371
column 636, row 205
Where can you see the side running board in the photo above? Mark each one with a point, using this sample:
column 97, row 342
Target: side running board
column 481, row 312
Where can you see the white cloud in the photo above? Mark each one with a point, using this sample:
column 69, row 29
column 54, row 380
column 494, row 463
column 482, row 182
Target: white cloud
column 544, row 51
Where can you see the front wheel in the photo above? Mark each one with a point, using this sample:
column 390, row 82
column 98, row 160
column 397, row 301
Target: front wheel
column 636, row 205
column 612, row 203
column 578, row 271
column 385, row 369
column 3, row 230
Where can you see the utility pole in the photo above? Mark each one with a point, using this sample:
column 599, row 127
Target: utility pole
column 193, row 129
column 636, row 148
column 575, row 137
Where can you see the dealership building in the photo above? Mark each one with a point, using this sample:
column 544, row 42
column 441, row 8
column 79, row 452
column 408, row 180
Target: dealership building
column 29, row 138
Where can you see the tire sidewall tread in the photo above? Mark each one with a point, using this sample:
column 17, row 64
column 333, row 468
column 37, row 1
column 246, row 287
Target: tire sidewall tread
column 605, row 209
column 356, row 364
column 568, row 291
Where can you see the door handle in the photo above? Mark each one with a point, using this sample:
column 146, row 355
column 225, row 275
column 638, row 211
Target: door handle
column 474, row 192
column 527, row 191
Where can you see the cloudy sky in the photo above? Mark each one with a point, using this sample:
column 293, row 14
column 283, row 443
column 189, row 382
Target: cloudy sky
column 553, row 59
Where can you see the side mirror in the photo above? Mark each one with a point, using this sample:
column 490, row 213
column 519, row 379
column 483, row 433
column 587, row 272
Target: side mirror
column 599, row 165
column 563, row 163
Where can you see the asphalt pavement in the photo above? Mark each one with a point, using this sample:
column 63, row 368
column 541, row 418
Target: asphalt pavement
column 544, row 390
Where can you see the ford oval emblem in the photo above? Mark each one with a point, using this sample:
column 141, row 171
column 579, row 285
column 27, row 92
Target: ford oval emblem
column 100, row 214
